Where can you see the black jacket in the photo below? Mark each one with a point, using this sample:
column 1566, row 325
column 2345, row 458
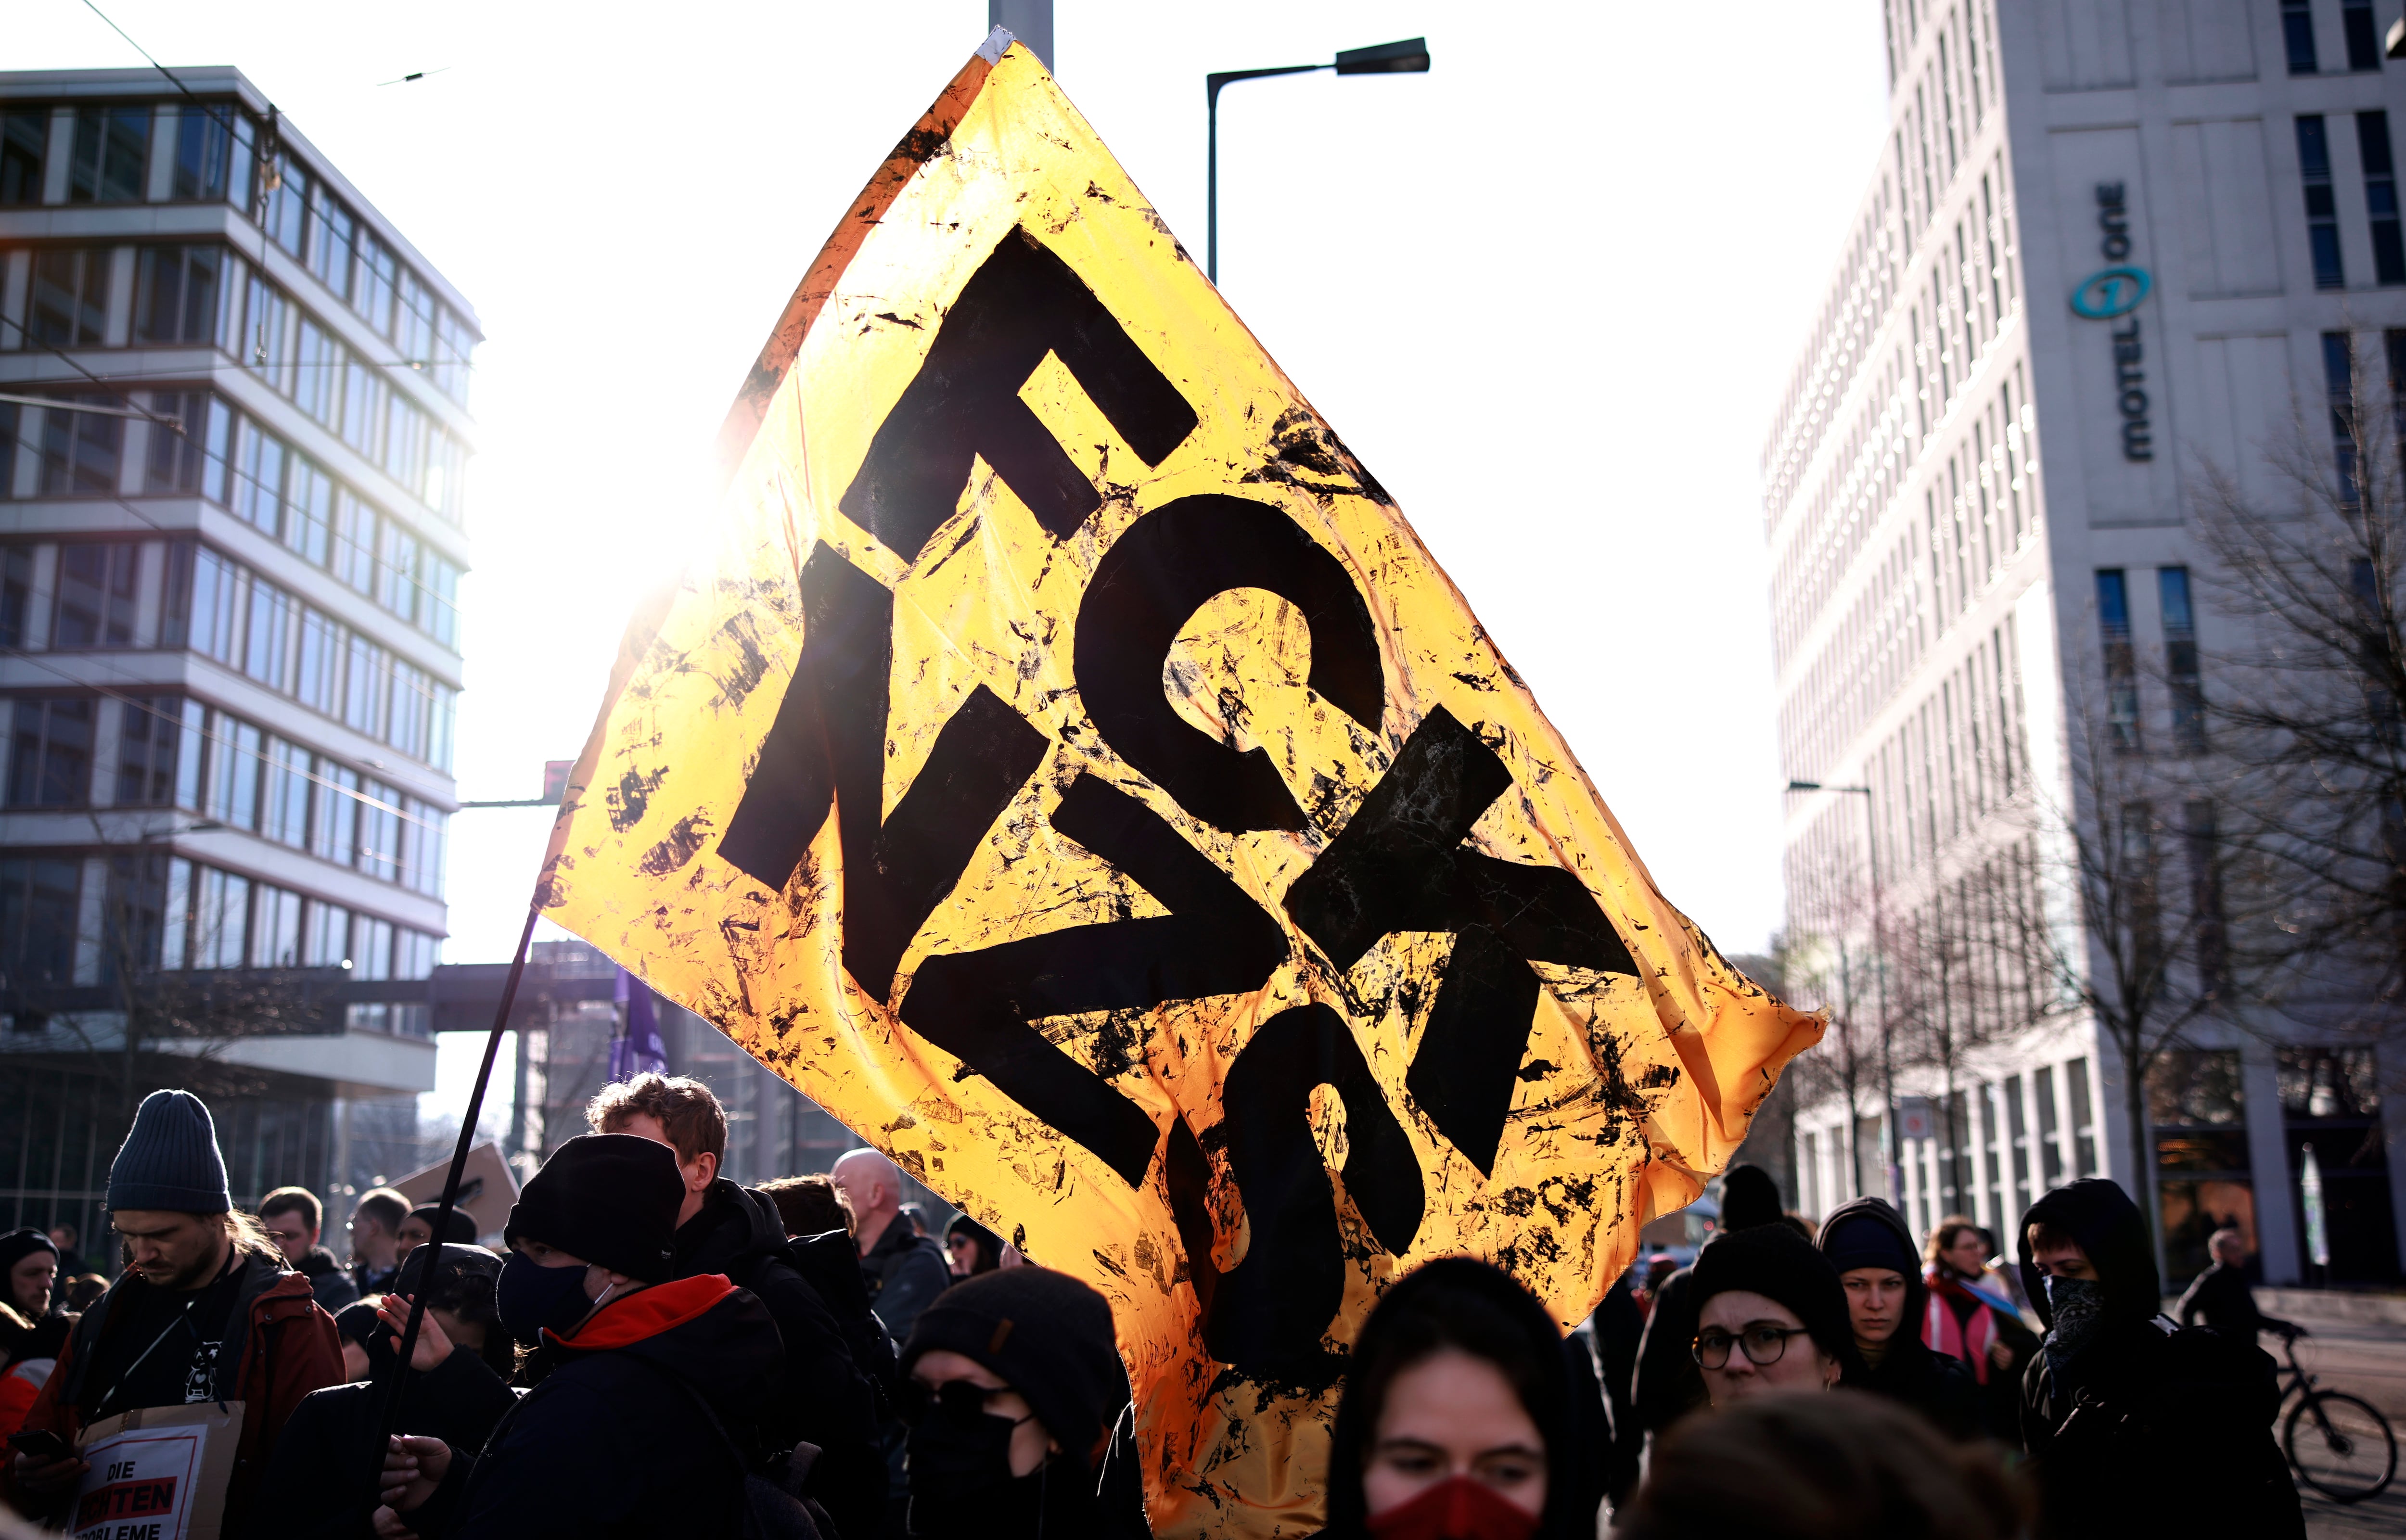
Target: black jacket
column 1616, row 1329
column 318, row 1478
column 2149, row 1429
column 2220, row 1294
column 904, row 1272
column 612, row 1444
column 830, row 1263
column 1939, row 1386
column 1667, row 1385
column 328, row 1281
column 823, row 1400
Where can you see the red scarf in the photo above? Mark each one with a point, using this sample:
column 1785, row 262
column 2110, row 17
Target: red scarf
column 1941, row 1332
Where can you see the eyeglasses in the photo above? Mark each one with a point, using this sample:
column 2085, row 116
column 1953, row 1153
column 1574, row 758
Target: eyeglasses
column 1764, row 1345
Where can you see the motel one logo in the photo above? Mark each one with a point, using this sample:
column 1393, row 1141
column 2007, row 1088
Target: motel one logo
column 2112, row 294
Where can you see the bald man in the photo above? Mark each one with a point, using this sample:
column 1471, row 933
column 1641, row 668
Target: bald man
column 904, row 1270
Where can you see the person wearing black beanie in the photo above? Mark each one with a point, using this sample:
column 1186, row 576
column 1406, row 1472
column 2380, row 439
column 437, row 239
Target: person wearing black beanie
column 1757, row 1292
column 1867, row 1242
column 29, row 1265
column 1667, row 1384
column 649, row 1390
column 1019, row 1409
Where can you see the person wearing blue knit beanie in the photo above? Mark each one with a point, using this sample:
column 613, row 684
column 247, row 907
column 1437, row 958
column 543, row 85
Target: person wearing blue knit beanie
column 206, row 1311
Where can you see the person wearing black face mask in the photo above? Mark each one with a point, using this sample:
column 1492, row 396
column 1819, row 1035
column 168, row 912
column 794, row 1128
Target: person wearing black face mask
column 647, row 1392
column 1020, row 1419
column 2136, row 1425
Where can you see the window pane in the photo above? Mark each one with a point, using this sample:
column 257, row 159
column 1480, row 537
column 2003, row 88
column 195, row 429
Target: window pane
column 112, row 155
column 24, row 145
column 202, row 141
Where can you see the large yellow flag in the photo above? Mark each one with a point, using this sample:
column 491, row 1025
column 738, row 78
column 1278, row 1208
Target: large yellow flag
column 1072, row 772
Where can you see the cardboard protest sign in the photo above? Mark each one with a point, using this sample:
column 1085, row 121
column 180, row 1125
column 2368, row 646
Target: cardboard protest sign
column 487, row 1187
column 1071, row 771
column 157, row 1472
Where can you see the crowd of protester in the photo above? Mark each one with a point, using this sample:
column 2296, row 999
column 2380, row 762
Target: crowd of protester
column 655, row 1349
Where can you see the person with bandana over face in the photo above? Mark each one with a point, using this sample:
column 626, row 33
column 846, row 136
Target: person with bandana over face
column 643, row 1387
column 2136, row 1425
column 1021, row 1423
column 1867, row 1241
column 1457, row 1419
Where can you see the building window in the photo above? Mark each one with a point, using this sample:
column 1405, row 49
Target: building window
column 284, row 801
column 81, row 452
column 2121, row 663
column 175, row 293
column 274, row 928
column 112, row 155
column 317, row 375
column 259, row 478
column 2204, row 844
column 205, row 140
column 286, row 214
column 2363, row 43
column 2050, row 1139
column 234, row 754
column 152, row 769
column 25, row 147
column 212, row 618
column 442, row 601
column 268, row 658
column 2381, row 197
column 333, row 826
column 2338, row 386
column 49, row 753
column 372, row 291
column 2331, row 1103
column 16, row 593
column 220, row 905
column 188, row 448
column 330, row 228
column 2083, row 1121
column 2322, row 208
column 2297, row 31
column 380, row 833
column 353, row 543
column 365, row 681
column 326, row 939
column 41, row 896
column 322, row 663
column 2180, row 660
column 68, row 303
column 308, row 510
column 136, row 900
column 99, row 588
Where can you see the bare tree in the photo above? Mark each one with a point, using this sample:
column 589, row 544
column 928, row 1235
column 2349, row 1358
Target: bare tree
column 2307, row 691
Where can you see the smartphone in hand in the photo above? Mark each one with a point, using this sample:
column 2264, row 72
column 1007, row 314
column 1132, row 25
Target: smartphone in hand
column 40, row 1444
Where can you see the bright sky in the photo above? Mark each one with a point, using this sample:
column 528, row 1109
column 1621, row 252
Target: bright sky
column 1549, row 292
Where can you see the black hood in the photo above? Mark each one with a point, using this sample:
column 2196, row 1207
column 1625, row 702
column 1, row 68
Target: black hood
column 1465, row 1302
column 735, row 1225
column 1917, row 1290
column 2098, row 1214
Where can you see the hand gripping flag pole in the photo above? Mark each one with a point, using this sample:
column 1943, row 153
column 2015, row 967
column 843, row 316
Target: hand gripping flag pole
column 389, row 1401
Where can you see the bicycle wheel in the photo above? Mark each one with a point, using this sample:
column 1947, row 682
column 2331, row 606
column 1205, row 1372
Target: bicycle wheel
column 2341, row 1446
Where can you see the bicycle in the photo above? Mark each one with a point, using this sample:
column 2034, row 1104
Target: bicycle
column 2339, row 1444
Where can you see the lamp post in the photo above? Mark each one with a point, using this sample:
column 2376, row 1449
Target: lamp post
column 1880, row 951
column 1409, row 57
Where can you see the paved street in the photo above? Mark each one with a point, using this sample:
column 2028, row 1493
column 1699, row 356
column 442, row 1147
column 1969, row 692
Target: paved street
column 2366, row 1359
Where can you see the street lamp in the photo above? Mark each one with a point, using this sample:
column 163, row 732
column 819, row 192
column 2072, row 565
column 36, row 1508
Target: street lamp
column 1880, row 951
column 1409, row 57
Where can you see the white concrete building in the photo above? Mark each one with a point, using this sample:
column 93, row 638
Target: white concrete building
column 2106, row 243
column 233, row 425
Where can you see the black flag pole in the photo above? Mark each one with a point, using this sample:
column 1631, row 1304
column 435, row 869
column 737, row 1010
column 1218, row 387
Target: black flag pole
column 390, row 1400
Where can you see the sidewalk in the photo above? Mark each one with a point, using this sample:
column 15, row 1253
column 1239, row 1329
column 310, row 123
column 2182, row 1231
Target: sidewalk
column 2361, row 1352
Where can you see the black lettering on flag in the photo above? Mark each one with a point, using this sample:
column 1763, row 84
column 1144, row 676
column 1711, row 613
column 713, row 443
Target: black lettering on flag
column 1021, row 304
column 1166, row 566
column 828, row 742
column 977, row 1006
column 1400, row 863
column 1267, row 1314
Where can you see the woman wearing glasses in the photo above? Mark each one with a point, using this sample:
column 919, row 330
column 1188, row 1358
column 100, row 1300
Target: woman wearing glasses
column 1771, row 1315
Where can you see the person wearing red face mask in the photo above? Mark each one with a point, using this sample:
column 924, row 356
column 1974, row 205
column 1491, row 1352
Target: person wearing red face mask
column 1455, row 1421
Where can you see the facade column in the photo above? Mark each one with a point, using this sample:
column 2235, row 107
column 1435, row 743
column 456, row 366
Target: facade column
column 2268, row 1156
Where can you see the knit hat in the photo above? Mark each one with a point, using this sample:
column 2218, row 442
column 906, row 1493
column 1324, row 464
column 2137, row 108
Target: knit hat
column 611, row 1199
column 1868, row 1240
column 170, row 1159
column 454, row 1263
column 1749, row 1197
column 17, row 1245
column 1776, row 1263
column 1050, row 1338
